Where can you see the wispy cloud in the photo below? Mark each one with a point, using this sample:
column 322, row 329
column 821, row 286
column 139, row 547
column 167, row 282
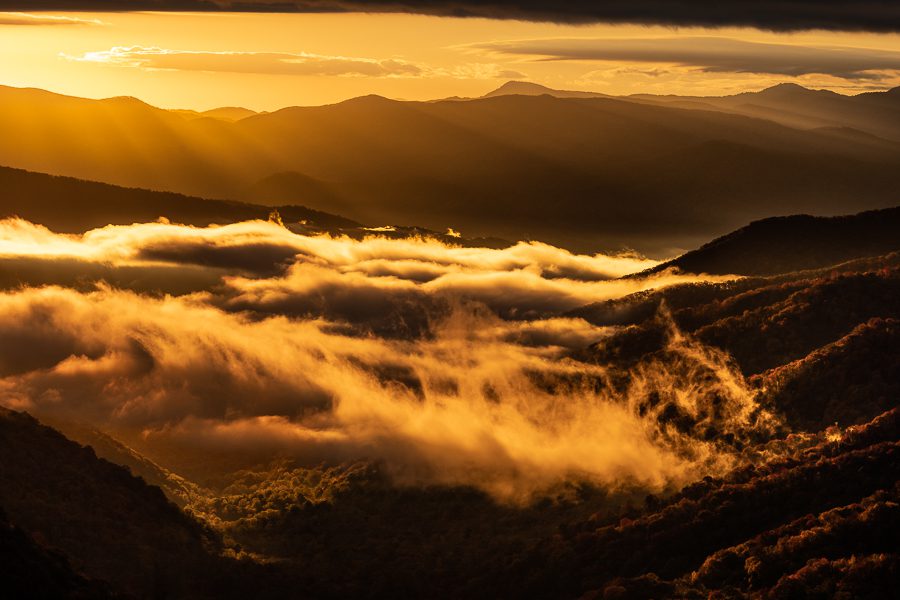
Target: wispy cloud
column 284, row 63
column 269, row 63
column 29, row 19
column 710, row 54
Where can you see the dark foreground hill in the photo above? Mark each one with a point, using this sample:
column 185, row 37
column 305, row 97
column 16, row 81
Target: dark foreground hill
column 820, row 520
column 809, row 508
column 821, row 524
column 28, row 570
column 88, row 520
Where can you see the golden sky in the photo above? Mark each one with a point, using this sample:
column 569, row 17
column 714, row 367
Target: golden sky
column 268, row 61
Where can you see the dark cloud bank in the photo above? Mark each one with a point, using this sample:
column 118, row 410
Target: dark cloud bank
column 883, row 15
column 712, row 54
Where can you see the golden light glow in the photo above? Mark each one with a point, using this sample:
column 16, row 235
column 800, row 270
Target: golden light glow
column 241, row 366
column 265, row 62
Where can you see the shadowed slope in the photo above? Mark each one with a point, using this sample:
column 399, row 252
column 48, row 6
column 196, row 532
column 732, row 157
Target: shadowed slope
column 290, row 187
column 843, row 383
column 69, row 205
column 112, row 525
column 527, row 88
column 837, row 498
column 28, row 570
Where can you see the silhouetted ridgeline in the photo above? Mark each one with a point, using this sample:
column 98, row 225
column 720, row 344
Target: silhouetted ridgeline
column 786, row 244
column 582, row 172
column 70, row 205
column 873, row 115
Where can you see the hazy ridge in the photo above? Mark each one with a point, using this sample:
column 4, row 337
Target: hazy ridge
column 619, row 171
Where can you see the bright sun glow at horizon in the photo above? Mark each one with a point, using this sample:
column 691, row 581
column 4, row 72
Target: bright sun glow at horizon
column 266, row 62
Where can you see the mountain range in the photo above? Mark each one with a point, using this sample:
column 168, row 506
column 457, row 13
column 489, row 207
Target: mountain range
column 332, row 351
column 581, row 170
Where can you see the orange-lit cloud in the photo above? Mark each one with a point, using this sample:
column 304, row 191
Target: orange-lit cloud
column 131, row 242
column 30, row 19
column 269, row 63
column 284, row 63
column 279, row 356
column 453, row 409
column 268, row 268
column 31, row 57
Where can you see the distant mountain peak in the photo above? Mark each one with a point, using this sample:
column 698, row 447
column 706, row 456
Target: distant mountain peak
column 229, row 113
column 368, row 99
column 783, row 89
column 373, row 97
column 525, row 88
column 786, row 86
column 129, row 102
column 126, row 100
column 793, row 89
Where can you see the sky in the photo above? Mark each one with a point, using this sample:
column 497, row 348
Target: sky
column 267, row 61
